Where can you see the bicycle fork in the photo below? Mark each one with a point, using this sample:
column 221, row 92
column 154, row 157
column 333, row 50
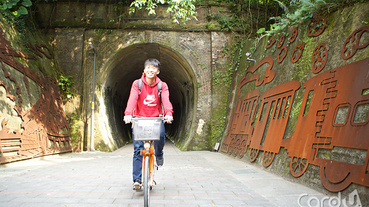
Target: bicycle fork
column 148, row 151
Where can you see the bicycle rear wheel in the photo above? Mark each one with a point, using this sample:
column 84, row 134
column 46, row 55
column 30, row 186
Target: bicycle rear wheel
column 146, row 184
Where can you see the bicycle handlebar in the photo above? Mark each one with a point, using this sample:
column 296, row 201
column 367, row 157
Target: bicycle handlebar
column 150, row 118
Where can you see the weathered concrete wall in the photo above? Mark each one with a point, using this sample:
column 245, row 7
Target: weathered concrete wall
column 191, row 57
column 301, row 110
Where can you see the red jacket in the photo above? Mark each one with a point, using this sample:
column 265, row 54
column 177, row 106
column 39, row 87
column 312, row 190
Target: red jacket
column 148, row 103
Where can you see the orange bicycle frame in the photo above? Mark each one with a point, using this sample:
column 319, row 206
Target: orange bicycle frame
column 149, row 153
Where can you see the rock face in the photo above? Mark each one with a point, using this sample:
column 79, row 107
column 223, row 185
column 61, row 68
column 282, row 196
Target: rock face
column 32, row 118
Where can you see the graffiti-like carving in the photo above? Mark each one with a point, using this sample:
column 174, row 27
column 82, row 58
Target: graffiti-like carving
column 293, row 35
column 41, row 51
column 334, row 116
column 352, row 43
column 317, row 26
column 44, row 126
column 271, row 42
column 319, row 57
column 282, row 53
column 296, row 54
column 7, row 89
column 17, row 108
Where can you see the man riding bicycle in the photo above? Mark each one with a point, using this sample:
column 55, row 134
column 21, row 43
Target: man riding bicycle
column 149, row 97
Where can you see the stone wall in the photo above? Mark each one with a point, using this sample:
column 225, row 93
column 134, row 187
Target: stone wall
column 301, row 109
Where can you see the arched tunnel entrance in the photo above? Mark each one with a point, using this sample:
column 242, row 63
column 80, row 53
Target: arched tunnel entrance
column 127, row 65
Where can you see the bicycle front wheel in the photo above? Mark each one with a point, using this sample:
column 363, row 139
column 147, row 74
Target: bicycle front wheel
column 146, row 184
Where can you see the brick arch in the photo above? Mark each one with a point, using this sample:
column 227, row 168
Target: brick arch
column 126, row 65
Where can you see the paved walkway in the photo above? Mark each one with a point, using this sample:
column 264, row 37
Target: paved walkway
column 104, row 179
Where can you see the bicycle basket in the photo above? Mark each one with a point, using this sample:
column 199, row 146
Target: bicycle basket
column 147, row 128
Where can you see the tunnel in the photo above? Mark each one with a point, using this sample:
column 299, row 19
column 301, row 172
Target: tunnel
column 127, row 65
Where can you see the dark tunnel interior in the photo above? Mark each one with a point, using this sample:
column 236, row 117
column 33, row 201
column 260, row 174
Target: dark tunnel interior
column 127, row 65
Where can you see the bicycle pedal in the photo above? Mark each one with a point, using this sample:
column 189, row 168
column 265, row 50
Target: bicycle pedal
column 137, row 189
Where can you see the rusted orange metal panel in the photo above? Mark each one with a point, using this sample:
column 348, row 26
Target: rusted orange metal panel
column 240, row 127
column 331, row 123
column 275, row 108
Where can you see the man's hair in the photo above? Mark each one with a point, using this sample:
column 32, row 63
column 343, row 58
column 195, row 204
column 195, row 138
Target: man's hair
column 152, row 61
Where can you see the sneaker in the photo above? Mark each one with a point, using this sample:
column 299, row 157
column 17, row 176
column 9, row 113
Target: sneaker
column 137, row 185
column 160, row 161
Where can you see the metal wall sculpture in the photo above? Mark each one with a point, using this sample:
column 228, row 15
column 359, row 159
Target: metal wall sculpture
column 317, row 26
column 320, row 57
column 241, row 125
column 44, row 128
column 333, row 118
column 275, row 109
column 330, row 118
column 354, row 40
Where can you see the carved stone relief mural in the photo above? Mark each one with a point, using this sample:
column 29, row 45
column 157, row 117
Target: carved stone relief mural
column 43, row 128
column 333, row 116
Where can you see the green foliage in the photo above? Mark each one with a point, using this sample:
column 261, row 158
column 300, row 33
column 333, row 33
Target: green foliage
column 236, row 53
column 296, row 13
column 75, row 127
column 223, row 78
column 246, row 16
column 365, row 92
column 260, row 31
column 15, row 7
column 182, row 10
column 65, row 84
column 300, row 10
column 228, row 24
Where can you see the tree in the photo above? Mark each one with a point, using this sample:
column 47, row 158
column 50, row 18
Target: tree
column 182, row 10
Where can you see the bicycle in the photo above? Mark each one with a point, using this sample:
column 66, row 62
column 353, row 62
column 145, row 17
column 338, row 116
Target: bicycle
column 147, row 129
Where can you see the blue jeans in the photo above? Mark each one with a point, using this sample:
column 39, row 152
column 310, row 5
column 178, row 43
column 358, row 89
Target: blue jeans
column 137, row 157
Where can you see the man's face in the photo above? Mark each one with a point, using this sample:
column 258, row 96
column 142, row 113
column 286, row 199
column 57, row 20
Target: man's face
column 151, row 71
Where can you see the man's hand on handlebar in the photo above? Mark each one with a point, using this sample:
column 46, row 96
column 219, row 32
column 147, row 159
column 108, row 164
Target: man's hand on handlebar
column 127, row 119
column 168, row 119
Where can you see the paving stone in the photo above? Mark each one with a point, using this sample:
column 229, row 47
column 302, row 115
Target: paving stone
column 104, row 179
